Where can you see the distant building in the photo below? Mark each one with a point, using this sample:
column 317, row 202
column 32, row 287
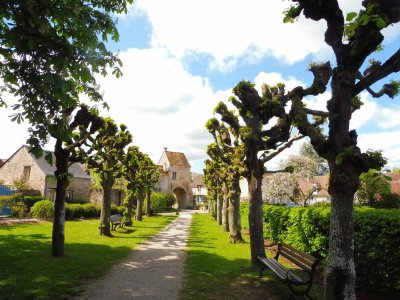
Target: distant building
column 175, row 177
column 39, row 175
column 199, row 189
column 316, row 188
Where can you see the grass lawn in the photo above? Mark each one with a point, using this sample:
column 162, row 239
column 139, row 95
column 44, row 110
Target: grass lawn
column 28, row 271
column 216, row 269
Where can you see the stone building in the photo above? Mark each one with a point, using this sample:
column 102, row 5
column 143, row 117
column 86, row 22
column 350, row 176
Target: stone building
column 175, row 178
column 38, row 174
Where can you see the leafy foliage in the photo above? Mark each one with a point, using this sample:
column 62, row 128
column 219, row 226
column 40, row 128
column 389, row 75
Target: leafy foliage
column 376, row 238
column 374, row 185
column 43, row 209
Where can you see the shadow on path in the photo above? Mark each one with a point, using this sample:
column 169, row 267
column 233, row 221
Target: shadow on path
column 153, row 271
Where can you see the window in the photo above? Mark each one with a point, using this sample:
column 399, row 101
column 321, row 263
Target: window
column 27, row 173
column 173, row 175
column 199, row 188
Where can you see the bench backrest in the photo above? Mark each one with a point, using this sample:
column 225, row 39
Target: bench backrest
column 301, row 259
column 115, row 218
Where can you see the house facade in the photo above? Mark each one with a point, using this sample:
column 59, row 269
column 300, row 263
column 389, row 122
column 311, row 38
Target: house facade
column 199, row 189
column 175, row 178
column 38, row 174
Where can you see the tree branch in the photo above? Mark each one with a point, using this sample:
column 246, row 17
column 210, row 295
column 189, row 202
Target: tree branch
column 264, row 158
column 392, row 65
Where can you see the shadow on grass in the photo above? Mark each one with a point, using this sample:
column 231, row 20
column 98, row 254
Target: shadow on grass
column 211, row 276
column 28, row 271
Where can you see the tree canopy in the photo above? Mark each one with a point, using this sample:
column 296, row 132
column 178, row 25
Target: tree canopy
column 50, row 51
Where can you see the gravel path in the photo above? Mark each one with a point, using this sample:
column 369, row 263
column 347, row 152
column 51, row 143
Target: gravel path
column 153, row 271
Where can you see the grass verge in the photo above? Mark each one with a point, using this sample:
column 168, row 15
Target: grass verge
column 216, row 269
column 28, row 271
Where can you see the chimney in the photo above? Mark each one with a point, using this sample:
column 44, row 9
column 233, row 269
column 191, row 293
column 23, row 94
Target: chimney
column 165, row 149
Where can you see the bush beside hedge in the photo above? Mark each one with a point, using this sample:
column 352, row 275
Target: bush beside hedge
column 43, row 209
column 159, row 202
column 377, row 240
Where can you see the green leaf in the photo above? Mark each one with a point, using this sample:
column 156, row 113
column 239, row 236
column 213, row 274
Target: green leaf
column 350, row 16
column 380, row 23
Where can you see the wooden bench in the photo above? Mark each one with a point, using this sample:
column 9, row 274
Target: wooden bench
column 303, row 260
column 116, row 220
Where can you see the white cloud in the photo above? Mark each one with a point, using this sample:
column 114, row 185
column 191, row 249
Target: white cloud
column 230, row 30
column 13, row 135
column 162, row 104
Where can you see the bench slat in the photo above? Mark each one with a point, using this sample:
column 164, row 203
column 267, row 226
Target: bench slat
column 280, row 270
column 304, row 262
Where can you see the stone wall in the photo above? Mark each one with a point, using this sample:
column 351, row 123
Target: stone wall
column 14, row 169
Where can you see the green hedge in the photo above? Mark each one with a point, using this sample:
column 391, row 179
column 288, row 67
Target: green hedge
column 377, row 240
column 159, row 202
column 43, row 209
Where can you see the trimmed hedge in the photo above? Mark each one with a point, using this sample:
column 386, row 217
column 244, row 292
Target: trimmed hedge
column 376, row 234
column 43, row 209
column 159, row 202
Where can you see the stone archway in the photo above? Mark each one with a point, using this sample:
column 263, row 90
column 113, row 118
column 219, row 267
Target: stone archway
column 181, row 198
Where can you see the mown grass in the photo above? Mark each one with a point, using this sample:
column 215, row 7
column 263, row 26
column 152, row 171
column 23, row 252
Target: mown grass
column 216, row 269
column 28, row 271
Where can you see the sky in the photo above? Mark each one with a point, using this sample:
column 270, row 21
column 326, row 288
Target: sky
column 180, row 58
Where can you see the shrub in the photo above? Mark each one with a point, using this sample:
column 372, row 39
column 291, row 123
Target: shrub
column 91, row 210
column 31, row 200
column 19, row 209
column 43, row 209
column 376, row 249
column 161, row 201
column 158, row 204
column 244, row 215
column 170, row 199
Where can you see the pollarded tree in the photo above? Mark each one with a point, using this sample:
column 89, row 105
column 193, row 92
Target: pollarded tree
column 228, row 150
column 213, row 181
column 130, row 169
column 105, row 157
column 352, row 38
column 67, row 151
column 259, row 144
column 147, row 175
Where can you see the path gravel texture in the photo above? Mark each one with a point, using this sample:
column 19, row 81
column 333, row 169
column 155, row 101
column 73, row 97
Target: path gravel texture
column 153, row 271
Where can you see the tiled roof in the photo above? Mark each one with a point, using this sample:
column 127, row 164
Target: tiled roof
column 197, row 180
column 177, row 159
column 394, row 176
column 395, row 187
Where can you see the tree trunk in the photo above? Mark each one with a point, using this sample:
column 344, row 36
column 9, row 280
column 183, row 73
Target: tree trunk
column 343, row 183
column 235, row 229
column 219, row 209
column 255, row 208
column 129, row 207
column 61, row 172
column 148, row 204
column 340, row 270
column 107, row 183
column 139, row 205
column 225, row 214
